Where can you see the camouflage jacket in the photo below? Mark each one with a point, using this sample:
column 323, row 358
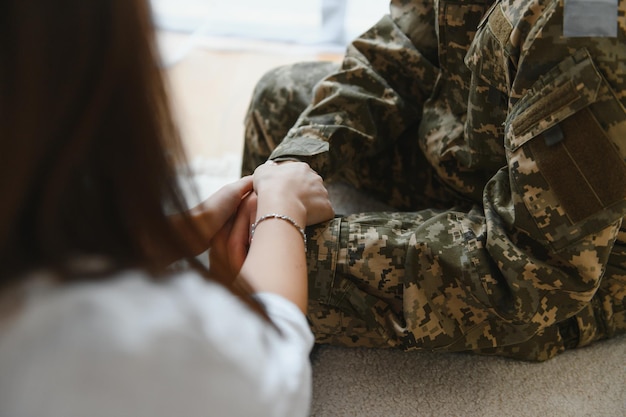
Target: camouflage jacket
column 497, row 93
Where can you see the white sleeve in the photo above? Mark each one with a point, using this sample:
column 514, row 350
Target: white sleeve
column 134, row 348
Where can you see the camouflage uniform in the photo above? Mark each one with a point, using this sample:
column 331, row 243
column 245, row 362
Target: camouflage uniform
column 502, row 144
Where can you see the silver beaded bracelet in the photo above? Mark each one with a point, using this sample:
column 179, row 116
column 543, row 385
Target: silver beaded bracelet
column 281, row 217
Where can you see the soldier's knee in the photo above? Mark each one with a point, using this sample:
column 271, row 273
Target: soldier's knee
column 267, row 86
column 290, row 87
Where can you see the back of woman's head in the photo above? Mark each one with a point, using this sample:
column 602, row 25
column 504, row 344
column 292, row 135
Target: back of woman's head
column 84, row 123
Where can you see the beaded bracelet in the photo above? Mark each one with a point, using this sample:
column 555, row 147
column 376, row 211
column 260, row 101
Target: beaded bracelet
column 281, row 217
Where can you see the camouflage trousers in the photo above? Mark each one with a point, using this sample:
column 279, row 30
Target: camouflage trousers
column 415, row 278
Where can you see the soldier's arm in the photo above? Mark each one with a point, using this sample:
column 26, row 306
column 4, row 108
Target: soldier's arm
column 379, row 90
column 554, row 214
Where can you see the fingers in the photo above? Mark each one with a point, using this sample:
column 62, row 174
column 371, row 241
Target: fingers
column 289, row 178
column 219, row 256
column 240, row 233
column 239, row 188
column 213, row 213
column 231, row 243
column 226, row 199
column 294, row 183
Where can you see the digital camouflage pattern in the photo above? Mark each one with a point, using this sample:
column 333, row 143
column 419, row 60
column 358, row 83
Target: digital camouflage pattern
column 501, row 143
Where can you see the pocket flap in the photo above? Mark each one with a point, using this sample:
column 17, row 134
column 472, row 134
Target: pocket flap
column 571, row 86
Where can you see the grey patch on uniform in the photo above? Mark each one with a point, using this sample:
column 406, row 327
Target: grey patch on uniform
column 590, row 18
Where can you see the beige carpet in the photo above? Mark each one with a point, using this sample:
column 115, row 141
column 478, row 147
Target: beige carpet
column 385, row 383
column 390, row 383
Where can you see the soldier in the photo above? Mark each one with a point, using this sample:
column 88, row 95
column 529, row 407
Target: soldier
column 498, row 132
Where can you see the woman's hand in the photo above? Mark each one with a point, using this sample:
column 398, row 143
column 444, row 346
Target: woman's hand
column 211, row 215
column 292, row 188
column 276, row 260
column 230, row 245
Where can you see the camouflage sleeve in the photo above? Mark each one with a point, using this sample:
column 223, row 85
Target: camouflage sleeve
column 379, row 90
column 554, row 213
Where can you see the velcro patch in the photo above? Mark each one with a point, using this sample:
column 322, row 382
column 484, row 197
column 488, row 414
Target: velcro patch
column 584, row 169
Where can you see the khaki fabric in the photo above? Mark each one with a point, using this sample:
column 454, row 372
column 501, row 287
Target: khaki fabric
column 502, row 145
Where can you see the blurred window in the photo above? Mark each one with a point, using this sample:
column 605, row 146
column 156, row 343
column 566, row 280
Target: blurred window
column 306, row 22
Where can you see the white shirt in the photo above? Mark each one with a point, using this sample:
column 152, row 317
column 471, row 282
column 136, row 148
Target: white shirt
column 131, row 347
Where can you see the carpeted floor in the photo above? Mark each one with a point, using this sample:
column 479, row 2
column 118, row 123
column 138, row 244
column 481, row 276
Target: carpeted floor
column 385, row 383
column 389, row 383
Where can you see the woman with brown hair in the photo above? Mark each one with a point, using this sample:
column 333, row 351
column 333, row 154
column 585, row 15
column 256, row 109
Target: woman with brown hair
column 93, row 321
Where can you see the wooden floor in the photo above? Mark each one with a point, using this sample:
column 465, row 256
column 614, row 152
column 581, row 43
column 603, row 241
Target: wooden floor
column 211, row 89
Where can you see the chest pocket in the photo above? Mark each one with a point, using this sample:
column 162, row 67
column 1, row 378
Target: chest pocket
column 566, row 146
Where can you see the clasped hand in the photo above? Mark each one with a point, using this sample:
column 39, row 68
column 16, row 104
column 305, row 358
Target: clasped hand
column 224, row 219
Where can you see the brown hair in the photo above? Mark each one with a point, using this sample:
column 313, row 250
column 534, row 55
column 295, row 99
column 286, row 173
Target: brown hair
column 88, row 145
